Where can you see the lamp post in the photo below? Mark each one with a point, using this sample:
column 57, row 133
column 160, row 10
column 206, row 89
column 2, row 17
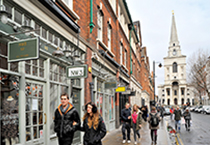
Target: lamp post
column 160, row 65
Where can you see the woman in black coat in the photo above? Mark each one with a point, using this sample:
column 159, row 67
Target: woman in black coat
column 93, row 126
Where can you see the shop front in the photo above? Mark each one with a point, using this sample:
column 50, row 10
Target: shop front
column 31, row 89
column 104, row 98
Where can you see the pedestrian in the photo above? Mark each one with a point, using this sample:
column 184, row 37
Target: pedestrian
column 93, row 125
column 144, row 110
column 65, row 115
column 162, row 111
column 136, row 120
column 177, row 118
column 154, row 119
column 126, row 118
column 172, row 113
column 187, row 117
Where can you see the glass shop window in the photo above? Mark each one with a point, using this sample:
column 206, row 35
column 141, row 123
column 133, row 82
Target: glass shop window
column 18, row 17
column 53, row 105
column 35, row 67
column 44, row 33
column 34, row 111
column 9, row 85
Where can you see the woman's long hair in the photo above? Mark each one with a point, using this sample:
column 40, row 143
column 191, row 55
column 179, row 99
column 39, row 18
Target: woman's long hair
column 134, row 108
column 92, row 120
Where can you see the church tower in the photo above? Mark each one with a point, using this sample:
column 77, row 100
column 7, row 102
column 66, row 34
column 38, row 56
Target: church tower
column 175, row 90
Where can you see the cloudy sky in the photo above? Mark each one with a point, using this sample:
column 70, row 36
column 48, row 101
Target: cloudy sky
column 192, row 19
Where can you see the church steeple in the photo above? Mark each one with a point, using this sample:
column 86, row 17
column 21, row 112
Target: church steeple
column 174, row 38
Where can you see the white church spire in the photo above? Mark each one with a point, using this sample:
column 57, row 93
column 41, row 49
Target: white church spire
column 174, row 38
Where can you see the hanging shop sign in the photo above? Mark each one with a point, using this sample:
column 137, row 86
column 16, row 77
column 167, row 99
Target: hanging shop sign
column 110, row 85
column 74, row 72
column 120, row 89
column 23, row 50
column 127, row 92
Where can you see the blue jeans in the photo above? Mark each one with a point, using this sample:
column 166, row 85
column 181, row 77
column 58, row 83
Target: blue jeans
column 178, row 124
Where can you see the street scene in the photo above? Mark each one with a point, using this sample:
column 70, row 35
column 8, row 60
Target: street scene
column 111, row 72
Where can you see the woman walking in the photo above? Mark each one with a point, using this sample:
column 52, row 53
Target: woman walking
column 93, row 126
column 187, row 117
column 136, row 121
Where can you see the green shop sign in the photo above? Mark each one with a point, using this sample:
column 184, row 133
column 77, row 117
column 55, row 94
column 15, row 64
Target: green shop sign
column 23, row 49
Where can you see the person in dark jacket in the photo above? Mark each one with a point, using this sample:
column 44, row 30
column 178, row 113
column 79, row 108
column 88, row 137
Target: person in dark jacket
column 162, row 111
column 154, row 129
column 177, row 118
column 93, row 126
column 126, row 118
column 187, row 117
column 65, row 115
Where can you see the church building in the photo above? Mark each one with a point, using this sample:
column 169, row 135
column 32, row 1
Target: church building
column 175, row 90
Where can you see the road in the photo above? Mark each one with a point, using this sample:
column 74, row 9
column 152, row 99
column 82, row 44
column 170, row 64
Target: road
column 200, row 130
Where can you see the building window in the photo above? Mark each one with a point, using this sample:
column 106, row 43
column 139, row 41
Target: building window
column 109, row 34
column 100, row 24
column 175, row 92
column 182, row 91
column 18, row 17
column 175, row 68
column 121, row 53
column 125, row 58
column 168, row 92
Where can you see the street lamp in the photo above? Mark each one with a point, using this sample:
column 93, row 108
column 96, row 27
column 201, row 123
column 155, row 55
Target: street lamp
column 4, row 14
column 160, row 65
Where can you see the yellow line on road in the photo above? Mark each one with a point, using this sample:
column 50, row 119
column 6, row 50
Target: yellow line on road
column 180, row 139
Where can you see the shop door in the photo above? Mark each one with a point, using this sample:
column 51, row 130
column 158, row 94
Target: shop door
column 106, row 111
column 35, row 115
column 76, row 102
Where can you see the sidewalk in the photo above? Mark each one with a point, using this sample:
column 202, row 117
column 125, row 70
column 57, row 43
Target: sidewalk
column 115, row 137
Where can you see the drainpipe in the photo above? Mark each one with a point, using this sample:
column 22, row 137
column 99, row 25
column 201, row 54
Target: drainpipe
column 131, row 72
column 91, row 24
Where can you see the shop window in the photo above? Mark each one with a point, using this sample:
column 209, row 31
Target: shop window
column 99, row 86
column 53, row 72
column 62, row 74
column 111, row 107
column 34, row 111
column 35, row 67
column 44, row 33
column 54, row 96
column 18, row 17
column 50, row 37
column 9, row 85
column 37, row 26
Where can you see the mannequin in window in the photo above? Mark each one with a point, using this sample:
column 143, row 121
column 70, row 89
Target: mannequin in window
column 9, row 118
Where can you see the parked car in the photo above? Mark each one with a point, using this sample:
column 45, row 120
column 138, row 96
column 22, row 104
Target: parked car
column 167, row 111
column 192, row 108
column 198, row 109
column 206, row 110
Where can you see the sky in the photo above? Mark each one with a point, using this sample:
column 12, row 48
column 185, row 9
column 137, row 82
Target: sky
column 192, row 19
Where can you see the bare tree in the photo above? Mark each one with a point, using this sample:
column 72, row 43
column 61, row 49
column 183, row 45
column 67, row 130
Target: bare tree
column 198, row 66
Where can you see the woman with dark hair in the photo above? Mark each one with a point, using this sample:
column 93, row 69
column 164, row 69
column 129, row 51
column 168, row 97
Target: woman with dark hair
column 93, row 125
